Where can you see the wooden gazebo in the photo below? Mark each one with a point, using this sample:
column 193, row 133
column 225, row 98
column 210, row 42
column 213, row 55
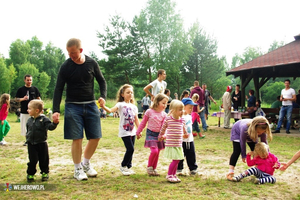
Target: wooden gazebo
column 282, row 62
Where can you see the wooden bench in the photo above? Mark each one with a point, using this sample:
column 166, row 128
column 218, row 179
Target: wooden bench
column 272, row 112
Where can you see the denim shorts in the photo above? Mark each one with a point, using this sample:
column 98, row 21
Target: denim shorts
column 79, row 117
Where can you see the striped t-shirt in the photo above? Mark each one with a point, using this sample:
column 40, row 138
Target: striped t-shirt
column 174, row 129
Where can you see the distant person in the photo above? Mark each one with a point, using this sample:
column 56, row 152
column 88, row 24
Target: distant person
column 158, row 86
column 201, row 102
column 176, row 95
column 4, row 125
column 37, row 127
column 226, row 99
column 258, row 110
column 236, row 98
column 195, row 117
column 208, row 98
column 185, row 94
column 277, row 103
column 128, row 113
column 81, row 111
column 168, row 93
column 145, row 103
column 251, row 104
column 24, row 95
column 264, row 164
column 154, row 118
column 287, row 97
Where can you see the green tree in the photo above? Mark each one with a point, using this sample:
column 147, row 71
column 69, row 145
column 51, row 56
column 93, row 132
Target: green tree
column 43, row 83
column 27, row 68
column 275, row 45
column 4, row 82
column 19, row 52
column 271, row 91
column 36, row 53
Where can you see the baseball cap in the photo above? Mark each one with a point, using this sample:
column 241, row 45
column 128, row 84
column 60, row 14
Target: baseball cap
column 188, row 101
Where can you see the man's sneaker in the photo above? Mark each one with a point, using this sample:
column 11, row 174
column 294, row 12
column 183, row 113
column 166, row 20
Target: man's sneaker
column 236, row 178
column 125, row 171
column 45, row 177
column 30, row 178
column 131, row 171
column 171, row 179
column 80, row 175
column 276, row 131
column 89, row 170
column 256, row 181
column 229, row 176
column 288, row 132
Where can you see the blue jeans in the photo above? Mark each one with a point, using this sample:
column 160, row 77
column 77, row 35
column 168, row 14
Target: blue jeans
column 202, row 117
column 285, row 110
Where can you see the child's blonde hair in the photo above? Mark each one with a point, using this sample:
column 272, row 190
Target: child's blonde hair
column 4, row 99
column 121, row 91
column 261, row 149
column 176, row 105
column 37, row 104
column 259, row 122
column 158, row 98
column 195, row 97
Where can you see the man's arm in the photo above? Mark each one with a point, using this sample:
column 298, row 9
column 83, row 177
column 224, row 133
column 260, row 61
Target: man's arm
column 147, row 90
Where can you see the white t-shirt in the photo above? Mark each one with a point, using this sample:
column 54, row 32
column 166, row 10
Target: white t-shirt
column 127, row 113
column 146, row 101
column 189, row 128
column 287, row 94
column 158, row 87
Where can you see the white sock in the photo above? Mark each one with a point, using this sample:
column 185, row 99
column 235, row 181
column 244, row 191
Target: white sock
column 86, row 161
column 77, row 166
column 231, row 170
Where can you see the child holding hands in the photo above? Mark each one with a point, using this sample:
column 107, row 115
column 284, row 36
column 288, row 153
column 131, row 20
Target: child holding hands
column 36, row 137
column 265, row 165
column 195, row 116
column 174, row 127
column 128, row 113
column 4, row 126
column 155, row 117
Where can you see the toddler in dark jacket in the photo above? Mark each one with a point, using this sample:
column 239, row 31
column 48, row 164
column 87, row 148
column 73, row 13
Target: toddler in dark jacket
column 36, row 136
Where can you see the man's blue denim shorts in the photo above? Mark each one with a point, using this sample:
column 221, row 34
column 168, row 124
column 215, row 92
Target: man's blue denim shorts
column 79, row 117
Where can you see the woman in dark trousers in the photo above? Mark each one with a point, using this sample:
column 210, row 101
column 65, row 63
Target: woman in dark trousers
column 236, row 99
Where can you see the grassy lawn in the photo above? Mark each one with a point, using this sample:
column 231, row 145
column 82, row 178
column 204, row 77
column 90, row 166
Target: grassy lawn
column 213, row 154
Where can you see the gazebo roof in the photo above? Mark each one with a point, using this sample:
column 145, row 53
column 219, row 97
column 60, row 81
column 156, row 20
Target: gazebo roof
column 281, row 62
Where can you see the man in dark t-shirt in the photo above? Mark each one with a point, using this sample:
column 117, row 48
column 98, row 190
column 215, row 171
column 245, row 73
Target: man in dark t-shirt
column 81, row 112
column 24, row 95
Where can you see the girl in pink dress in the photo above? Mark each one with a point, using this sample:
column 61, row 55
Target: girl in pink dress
column 155, row 117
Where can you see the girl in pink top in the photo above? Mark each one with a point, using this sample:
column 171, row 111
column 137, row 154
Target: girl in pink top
column 155, row 117
column 174, row 127
column 265, row 164
column 4, row 126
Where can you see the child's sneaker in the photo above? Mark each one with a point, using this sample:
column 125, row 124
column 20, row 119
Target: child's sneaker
column 179, row 172
column 80, row 175
column 256, row 181
column 89, row 170
column 155, row 173
column 3, row 142
column 229, row 176
column 195, row 172
column 177, row 179
column 237, row 178
column 150, row 171
column 30, row 178
column 131, row 171
column 202, row 137
column 45, row 177
column 171, row 179
column 124, row 171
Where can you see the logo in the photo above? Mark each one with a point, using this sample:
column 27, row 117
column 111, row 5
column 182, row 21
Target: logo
column 7, row 187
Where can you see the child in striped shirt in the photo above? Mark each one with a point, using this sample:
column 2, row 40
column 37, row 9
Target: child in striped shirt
column 174, row 127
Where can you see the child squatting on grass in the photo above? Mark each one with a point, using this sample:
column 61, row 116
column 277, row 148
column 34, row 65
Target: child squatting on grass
column 4, row 126
column 188, row 143
column 36, row 137
column 247, row 131
column 128, row 113
column 265, row 164
column 155, row 116
column 174, row 127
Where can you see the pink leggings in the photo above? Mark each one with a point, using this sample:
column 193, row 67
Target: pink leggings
column 173, row 167
column 153, row 158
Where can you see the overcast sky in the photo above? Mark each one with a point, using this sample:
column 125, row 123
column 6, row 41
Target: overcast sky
column 235, row 24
